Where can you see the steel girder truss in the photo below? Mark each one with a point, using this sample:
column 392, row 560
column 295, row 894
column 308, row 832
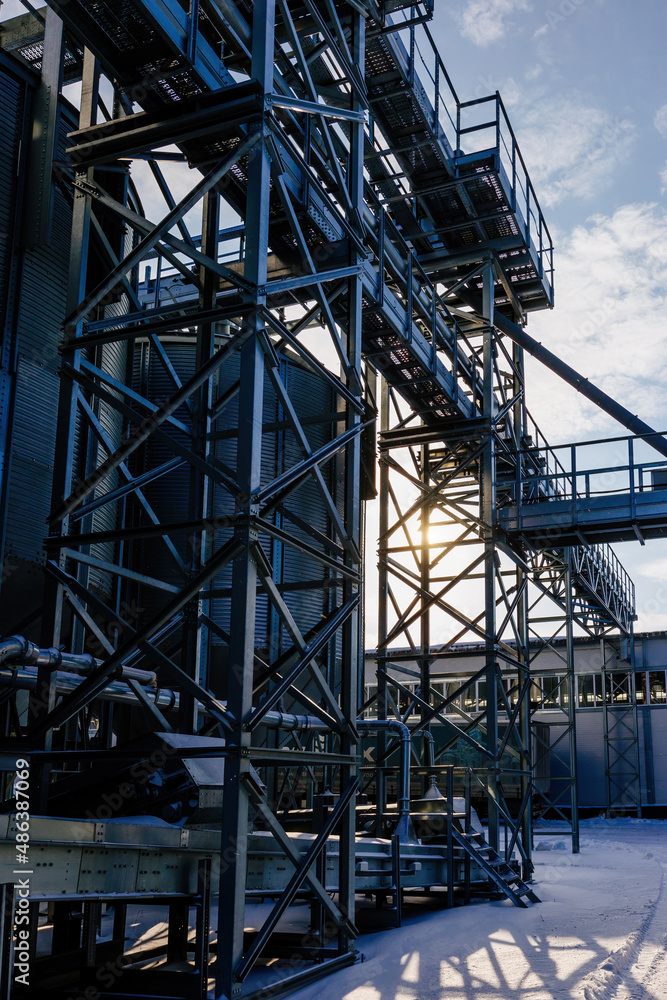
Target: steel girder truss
column 217, row 574
column 449, row 575
column 446, row 576
column 620, row 726
column 285, row 148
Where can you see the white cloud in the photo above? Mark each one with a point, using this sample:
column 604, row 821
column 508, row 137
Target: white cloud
column 484, row 21
column 608, row 323
column 660, row 121
column 655, row 570
column 663, row 179
column 572, row 148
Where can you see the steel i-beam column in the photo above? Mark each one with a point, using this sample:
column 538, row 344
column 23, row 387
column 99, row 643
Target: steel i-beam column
column 200, row 485
column 63, row 477
column 488, row 515
column 352, row 637
column 383, row 597
column 523, row 633
column 572, row 703
column 244, row 574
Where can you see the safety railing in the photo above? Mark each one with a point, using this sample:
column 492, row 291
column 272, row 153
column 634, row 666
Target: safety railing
column 605, row 564
column 469, row 128
column 483, row 125
column 572, row 472
column 539, row 471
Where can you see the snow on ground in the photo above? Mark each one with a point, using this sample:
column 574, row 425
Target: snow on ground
column 599, row 933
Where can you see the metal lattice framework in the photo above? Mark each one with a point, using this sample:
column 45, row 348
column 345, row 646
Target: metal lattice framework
column 456, row 583
column 209, row 574
column 217, row 395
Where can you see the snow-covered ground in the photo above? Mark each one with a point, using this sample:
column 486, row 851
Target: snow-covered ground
column 599, row 933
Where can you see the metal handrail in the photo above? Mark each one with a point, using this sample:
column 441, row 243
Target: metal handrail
column 446, row 111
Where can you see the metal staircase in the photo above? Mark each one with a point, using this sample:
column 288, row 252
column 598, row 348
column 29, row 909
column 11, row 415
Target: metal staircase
column 503, row 875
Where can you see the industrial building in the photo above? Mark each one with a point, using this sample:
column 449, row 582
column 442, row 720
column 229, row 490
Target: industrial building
column 260, row 267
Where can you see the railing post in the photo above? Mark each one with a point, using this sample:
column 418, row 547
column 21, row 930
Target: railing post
column 193, row 27
column 380, row 290
column 408, row 323
column 450, row 837
column 631, row 475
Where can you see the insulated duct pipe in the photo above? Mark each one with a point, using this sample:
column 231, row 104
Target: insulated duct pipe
column 17, row 651
column 25, row 679
column 569, row 375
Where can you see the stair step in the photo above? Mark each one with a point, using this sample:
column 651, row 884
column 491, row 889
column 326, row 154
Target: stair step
column 506, row 878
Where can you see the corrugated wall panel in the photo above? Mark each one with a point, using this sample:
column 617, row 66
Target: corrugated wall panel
column 659, row 738
column 11, row 120
column 590, row 760
column 41, row 315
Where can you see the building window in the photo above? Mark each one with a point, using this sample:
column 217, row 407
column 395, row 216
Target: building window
column 404, row 699
column 371, row 711
column 512, row 688
column 618, row 689
column 469, row 699
column 590, row 690
column 438, row 689
column 640, row 688
column 451, row 688
column 657, row 690
column 536, row 695
column 551, row 686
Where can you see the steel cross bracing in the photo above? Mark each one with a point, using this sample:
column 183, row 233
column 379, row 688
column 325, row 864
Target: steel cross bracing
column 408, row 331
column 206, row 516
column 196, row 433
column 620, row 726
column 459, row 580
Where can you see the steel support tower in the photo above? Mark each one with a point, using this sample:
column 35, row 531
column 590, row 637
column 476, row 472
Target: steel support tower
column 355, row 220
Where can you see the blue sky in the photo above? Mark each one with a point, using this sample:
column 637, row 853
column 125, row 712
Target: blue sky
column 585, row 85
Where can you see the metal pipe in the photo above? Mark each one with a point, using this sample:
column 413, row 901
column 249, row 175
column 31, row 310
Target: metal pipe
column 404, row 825
column 569, row 375
column 16, row 650
column 26, row 680
column 283, row 720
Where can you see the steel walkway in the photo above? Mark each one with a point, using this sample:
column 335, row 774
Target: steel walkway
column 622, row 517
